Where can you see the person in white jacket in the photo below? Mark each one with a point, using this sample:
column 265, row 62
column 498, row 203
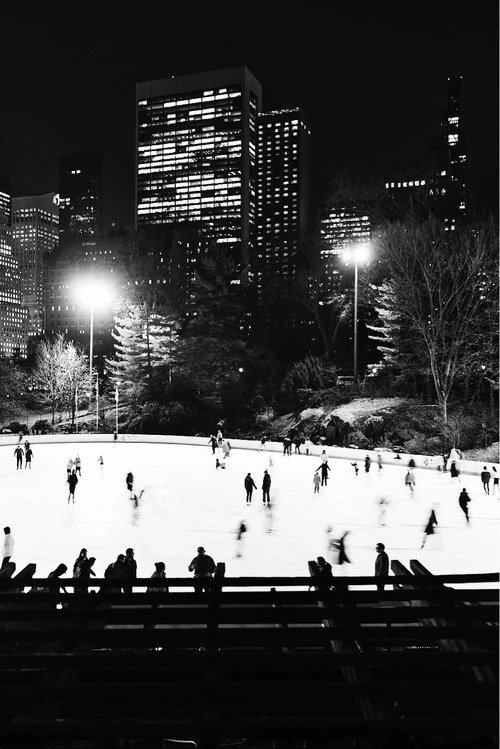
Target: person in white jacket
column 8, row 546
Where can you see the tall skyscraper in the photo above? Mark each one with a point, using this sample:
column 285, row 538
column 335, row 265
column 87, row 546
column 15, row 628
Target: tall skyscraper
column 13, row 315
column 440, row 175
column 283, row 190
column 80, row 196
column 196, row 148
column 35, row 232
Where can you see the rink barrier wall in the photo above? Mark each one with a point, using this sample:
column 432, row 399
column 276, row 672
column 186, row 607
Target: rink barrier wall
column 431, row 462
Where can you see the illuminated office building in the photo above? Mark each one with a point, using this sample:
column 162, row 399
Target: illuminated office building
column 80, row 196
column 283, row 191
column 341, row 227
column 13, row 315
column 35, row 233
column 196, row 148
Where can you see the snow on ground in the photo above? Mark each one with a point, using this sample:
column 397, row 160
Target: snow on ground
column 188, row 503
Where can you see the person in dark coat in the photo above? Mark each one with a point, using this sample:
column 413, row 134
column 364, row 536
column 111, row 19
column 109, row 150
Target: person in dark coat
column 130, row 568
column 116, row 571
column 250, row 485
column 28, row 454
column 343, row 558
column 81, row 558
column 72, row 482
column 429, row 528
column 203, row 567
column 454, row 470
column 486, row 478
column 213, row 441
column 129, row 480
column 18, row 452
column 240, row 533
column 368, row 462
column 324, row 468
column 325, row 573
column 463, row 501
column 85, row 572
column 266, row 486
column 381, row 564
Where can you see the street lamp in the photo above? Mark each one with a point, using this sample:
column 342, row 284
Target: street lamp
column 356, row 253
column 93, row 292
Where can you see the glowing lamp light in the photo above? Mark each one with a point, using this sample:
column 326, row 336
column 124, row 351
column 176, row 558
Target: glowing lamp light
column 93, row 292
column 357, row 253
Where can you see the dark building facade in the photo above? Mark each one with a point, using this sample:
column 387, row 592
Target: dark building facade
column 13, row 314
column 80, row 195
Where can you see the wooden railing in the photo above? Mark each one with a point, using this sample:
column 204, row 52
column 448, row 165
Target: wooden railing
column 255, row 660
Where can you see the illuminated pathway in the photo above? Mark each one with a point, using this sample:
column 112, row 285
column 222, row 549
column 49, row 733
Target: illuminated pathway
column 187, row 503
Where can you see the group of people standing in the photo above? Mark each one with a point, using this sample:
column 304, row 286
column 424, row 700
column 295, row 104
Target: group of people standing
column 250, row 485
column 27, row 454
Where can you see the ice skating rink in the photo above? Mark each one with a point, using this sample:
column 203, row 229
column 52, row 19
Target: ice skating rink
column 188, row 503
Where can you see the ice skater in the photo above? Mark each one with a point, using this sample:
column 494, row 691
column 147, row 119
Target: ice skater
column 220, row 463
column 343, row 558
column 129, row 480
column 72, row 482
column 410, row 480
column 69, row 466
column 269, row 517
column 356, row 468
column 19, row 453
column 266, row 486
column 463, row 501
column 307, row 446
column 495, row 480
column 242, row 529
column 368, row 462
column 455, row 470
column 316, row 482
column 250, row 485
column 324, row 468
column 485, row 479
column 28, row 454
column 429, row 528
column 383, row 504
column 100, row 460
column 379, row 463
column 263, row 441
column 213, row 442
column 78, row 465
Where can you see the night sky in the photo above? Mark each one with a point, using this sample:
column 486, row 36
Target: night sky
column 372, row 77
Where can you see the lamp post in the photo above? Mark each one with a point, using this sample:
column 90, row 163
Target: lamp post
column 356, row 254
column 97, row 403
column 91, row 349
column 116, row 410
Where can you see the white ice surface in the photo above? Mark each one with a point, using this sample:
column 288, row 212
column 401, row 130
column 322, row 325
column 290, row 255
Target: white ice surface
column 187, row 503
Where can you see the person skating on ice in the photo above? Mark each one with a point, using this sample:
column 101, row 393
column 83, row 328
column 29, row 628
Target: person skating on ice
column 495, row 480
column 316, row 482
column 356, row 468
column 72, row 482
column 463, row 501
column 78, row 465
column 485, row 479
column 28, row 454
column 100, row 460
column 368, row 462
column 324, row 468
column 429, row 528
column 307, row 446
column 379, row 463
column 129, row 480
column 266, row 486
column 69, row 466
column 250, row 485
column 19, row 453
column 410, row 480
column 242, row 529
column 213, row 442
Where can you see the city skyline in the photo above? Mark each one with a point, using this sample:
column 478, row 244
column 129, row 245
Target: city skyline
column 373, row 85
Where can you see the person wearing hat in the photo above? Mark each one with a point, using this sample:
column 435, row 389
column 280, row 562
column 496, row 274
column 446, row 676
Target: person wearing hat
column 266, row 486
column 203, row 567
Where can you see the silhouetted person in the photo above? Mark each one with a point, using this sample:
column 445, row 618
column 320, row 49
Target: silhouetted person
column 130, row 568
column 324, row 468
column 356, row 468
column 18, row 452
column 8, row 546
column 324, row 572
column 84, row 577
column 381, row 564
column 495, row 480
column 81, row 558
column 410, row 480
column 368, row 462
column 72, row 482
column 316, row 482
column 250, row 485
column 242, row 529
column 343, row 558
column 116, row 571
column 203, row 567
column 28, row 454
column 266, row 487
column 129, row 480
column 159, row 573
column 429, row 528
column 463, row 501
column 213, row 442
column 486, row 478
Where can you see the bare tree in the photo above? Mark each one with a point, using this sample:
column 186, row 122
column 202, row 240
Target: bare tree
column 59, row 369
column 442, row 287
